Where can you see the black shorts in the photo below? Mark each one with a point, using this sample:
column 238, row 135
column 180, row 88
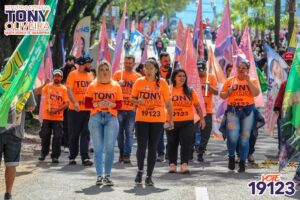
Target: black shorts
column 10, row 147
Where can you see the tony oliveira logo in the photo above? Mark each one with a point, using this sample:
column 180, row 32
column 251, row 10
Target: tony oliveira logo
column 27, row 20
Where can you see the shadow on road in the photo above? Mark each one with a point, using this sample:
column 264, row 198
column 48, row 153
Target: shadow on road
column 94, row 190
column 139, row 190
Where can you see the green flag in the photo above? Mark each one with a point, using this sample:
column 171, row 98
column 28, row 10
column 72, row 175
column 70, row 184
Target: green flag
column 291, row 120
column 24, row 63
column 262, row 80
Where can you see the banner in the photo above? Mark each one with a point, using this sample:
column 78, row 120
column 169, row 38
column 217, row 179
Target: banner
column 135, row 40
column 81, row 38
column 223, row 50
column 119, row 43
column 291, row 118
column 277, row 70
column 18, row 92
column 103, row 47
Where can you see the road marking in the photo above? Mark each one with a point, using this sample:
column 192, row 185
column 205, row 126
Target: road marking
column 201, row 193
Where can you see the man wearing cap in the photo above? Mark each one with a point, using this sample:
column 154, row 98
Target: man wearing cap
column 288, row 57
column 55, row 101
column 209, row 83
column 77, row 84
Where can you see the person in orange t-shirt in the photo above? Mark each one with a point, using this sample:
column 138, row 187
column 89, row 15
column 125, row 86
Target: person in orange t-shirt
column 151, row 95
column 104, row 98
column 77, row 84
column 212, row 88
column 126, row 115
column 239, row 91
column 184, row 99
column 55, row 101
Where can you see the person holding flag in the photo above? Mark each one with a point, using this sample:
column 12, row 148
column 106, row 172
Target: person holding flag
column 126, row 115
column 55, row 102
column 184, row 99
column 77, row 84
column 239, row 91
column 209, row 88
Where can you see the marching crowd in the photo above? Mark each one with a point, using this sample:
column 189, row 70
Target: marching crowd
column 81, row 107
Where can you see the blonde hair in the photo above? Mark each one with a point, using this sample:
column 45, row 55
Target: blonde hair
column 103, row 63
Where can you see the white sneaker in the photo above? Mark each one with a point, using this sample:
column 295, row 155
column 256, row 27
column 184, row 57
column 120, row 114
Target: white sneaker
column 66, row 150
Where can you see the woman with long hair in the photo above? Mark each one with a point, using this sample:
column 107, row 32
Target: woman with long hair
column 104, row 98
column 239, row 91
column 184, row 99
column 151, row 95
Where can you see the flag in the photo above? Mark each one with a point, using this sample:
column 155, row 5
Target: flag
column 140, row 26
column 180, row 40
column 145, row 55
column 156, row 31
column 182, row 58
column 81, row 38
column 291, row 118
column 198, row 32
column 190, row 67
column 262, row 80
column 103, row 47
column 46, row 69
column 223, row 50
column 277, row 70
column 28, row 63
column 135, row 40
column 293, row 41
column 218, row 103
column 119, row 43
column 245, row 46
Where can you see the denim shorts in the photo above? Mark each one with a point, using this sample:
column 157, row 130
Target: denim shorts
column 10, row 147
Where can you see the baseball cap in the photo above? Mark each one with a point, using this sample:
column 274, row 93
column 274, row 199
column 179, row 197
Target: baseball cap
column 88, row 59
column 288, row 56
column 80, row 60
column 201, row 64
column 57, row 71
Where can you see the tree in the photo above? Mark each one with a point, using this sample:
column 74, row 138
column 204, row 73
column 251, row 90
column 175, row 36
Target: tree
column 291, row 9
column 277, row 21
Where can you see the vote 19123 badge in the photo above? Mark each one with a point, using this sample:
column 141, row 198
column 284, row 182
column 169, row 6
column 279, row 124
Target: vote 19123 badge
column 272, row 185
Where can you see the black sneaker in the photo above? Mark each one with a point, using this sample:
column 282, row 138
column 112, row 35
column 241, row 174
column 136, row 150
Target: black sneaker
column 42, row 157
column 200, row 158
column 7, row 196
column 121, row 158
column 126, row 160
column 55, row 161
column 242, row 166
column 87, row 162
column 72, row 162
column 107, row 181
column 138, row 178
column 148, row 181
column 231, row 162
column 99, row 180
column 91, row 150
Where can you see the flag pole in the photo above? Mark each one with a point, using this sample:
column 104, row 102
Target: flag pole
column 122, row 60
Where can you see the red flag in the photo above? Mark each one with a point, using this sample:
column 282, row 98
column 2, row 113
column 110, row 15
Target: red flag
column 140, row 27
column 180, row 40
column 182, row 58
column 192, row 71
column 215, row 67
column 245, row 46
column 103, row 47
column 198, row 32
column 119, row 43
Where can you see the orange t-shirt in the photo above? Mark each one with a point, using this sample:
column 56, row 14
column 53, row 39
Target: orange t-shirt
column 163, row 73
column 209, row 99
column 129, row 79
column 241, row 94
column 53, row 97
column 153, row 107
column 182, row 105
column 99, row 91
column 79, row 83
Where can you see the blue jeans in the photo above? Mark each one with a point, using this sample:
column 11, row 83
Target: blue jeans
column 239, row 126
column 126, row 120
column 104, row 128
